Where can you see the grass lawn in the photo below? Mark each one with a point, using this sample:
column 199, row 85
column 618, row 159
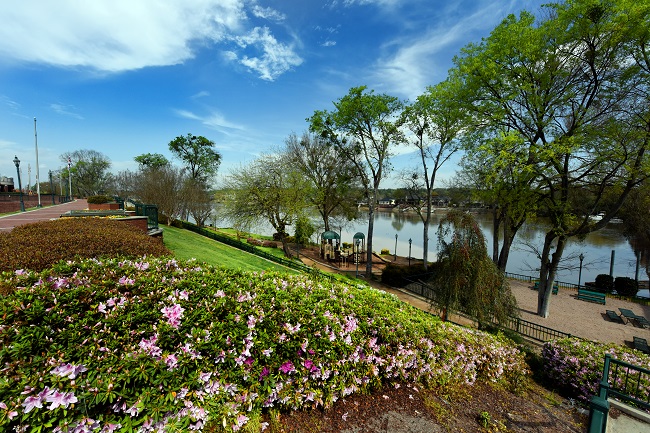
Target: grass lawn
column 187, row 245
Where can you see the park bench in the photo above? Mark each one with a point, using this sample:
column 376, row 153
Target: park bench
column 642, row 321
column 614, row 317
column 588, row 295
column 556, row 288
column 641, row 344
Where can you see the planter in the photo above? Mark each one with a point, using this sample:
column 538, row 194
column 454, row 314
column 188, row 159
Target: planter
column 103, row 206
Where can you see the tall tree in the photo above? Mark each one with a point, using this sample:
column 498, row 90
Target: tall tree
column 333, row 178
column 269, row 188
column 162, row 186
column 564, row 87
column 151, row 160
column 363, row 127
column 435, row 122
column 198, row 155
column 89, row 170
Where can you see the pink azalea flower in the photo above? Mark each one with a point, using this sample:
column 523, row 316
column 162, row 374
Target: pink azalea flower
column 287, row 367
column 32, row 402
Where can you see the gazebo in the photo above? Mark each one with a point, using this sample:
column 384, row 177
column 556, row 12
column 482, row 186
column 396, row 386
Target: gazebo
column 327, row 248
column 358, row 245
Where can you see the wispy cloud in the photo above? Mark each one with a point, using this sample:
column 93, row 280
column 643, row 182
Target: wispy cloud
column 201, row 94
column 8, row 102
column 214, row 120
column 126, row 35
column 66, row 110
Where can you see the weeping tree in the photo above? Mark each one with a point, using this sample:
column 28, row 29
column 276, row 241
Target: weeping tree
column 466, row 279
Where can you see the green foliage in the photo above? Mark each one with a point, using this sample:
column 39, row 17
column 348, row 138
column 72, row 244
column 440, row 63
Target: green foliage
column 198, row 154
column 626, row 286
column 604, row 283
column 385, row 251
column 99, row 199
column 304, row 230
column 40, row 245
column 186, row 346
column 466, row 278
column 398, row 276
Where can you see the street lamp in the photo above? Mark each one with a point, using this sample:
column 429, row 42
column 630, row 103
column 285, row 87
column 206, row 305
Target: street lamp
column 51, row 187
column 38, row 180
column 581, row 257
column 20, row 186
column 357, row 257
column 395, row 259
column 410, row 241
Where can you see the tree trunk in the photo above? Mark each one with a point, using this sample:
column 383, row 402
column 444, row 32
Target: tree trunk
column 496, row 222
column 425, row 233
column 371, row 225
column 548, row 271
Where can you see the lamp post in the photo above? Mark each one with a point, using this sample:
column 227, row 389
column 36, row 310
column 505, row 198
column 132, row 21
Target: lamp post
column 51, row 187
column 20, row 186
column 395, row 259
column 581, row 257
column 356, row 256
column 69, row 180
column 410, row 241
column 38, row 181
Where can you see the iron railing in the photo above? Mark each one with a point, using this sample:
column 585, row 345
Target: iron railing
column 623, row 381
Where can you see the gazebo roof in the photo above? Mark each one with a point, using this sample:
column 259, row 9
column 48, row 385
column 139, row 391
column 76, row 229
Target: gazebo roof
column 330, row 235
column 359, row 235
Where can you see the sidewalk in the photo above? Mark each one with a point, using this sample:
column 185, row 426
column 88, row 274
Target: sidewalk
column 44, row 213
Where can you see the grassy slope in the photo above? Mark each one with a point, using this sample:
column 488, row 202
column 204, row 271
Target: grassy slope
column 188, row 245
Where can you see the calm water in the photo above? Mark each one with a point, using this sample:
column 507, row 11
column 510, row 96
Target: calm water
column 596, row 247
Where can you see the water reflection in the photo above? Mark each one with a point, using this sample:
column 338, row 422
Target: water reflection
column 596, row 247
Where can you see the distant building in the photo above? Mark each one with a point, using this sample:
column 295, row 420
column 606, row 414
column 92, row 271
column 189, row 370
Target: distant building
column 6, row 184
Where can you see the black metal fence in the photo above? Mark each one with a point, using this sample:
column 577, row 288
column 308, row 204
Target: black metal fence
column 522, row 327
column 150, row 211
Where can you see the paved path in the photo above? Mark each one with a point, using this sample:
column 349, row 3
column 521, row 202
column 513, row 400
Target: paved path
column 44, row 213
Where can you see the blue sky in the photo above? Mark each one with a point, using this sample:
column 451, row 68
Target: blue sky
column 126, row 77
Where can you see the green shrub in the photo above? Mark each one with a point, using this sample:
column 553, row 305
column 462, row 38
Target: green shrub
column 179, row 345
column 397, row 275
column 100, row 199
column 626, row 286
column 40, row 245
column 604, row 283
column 385, row 252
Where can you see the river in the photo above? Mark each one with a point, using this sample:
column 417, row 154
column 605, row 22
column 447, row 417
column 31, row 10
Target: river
column 596, row 248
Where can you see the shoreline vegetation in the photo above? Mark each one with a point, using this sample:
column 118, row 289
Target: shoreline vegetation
column 117, row 344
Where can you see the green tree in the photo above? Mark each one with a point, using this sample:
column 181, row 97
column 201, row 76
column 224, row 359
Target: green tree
column 565, row 86
column 269, row 188
column 151, row 160
column 466, row 279
column 333, row 178
column 435, row 122
column 198, row 155
column 363, row 127
column 304, row 230
column 89, row 170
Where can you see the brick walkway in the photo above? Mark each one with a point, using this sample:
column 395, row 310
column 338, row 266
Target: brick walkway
column 44, row 213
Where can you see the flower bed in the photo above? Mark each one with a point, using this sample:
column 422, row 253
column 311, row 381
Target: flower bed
column 146, row 344
column 576, row 366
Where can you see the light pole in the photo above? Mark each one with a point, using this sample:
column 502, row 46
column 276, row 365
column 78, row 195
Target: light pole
column 581, row 257
column 356, row 256
column 410, row 241
column 51, row 187
column 20, row 186
column 38, row 181
column 395, row 259
column 69, row 180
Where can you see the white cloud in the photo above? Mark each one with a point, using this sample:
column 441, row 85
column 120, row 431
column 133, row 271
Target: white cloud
column 328, row 43
column 412, row 62
column 66, row 110
column 121, row 35
column 268, row 13
column 214, row 120
column 276, row 58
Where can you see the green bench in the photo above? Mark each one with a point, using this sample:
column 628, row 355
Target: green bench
column 614, row 317
column 556, row 288
column 641, row 344
column 588, row 295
